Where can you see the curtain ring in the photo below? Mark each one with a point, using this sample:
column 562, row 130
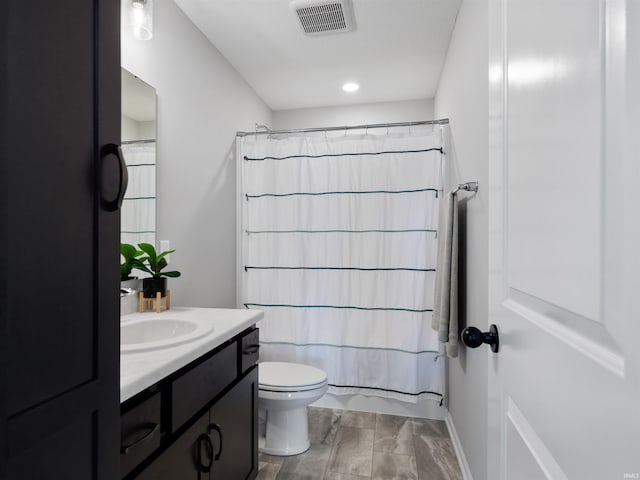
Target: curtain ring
column 345, row 131
column 366, row 131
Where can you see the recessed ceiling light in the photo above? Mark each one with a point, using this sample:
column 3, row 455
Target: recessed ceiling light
column 350, row 87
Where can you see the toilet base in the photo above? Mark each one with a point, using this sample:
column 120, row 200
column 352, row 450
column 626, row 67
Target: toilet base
column 286, row 432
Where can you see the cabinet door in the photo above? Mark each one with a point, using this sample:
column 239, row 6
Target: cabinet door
column 236, row 417
column 178, row 462
column 60, row 104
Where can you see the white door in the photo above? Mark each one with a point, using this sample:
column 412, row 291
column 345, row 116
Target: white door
column 564, row 239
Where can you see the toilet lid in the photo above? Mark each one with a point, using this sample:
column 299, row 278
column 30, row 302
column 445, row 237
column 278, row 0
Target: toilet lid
column 281, row 376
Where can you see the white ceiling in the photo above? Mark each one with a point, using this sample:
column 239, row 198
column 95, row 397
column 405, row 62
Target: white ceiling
column 395, row 53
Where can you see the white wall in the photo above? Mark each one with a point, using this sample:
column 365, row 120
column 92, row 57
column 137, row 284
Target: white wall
column 463, row 97
column 134, row 130
column 202, row 102
column 130, row 129
column 147, row 130
column 360, row 114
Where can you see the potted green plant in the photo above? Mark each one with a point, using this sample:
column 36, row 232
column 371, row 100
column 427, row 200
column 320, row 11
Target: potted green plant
column 153, row 263
column 129, row 253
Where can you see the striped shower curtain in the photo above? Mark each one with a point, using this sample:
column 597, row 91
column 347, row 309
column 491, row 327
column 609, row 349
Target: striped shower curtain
column 338, row 249
column 138, row 216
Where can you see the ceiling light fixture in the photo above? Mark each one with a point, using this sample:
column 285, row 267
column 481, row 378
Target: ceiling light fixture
column 350, row 87
column 141, row 18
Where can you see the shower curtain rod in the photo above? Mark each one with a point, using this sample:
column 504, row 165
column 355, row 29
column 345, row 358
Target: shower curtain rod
column 267, row 131
column 468, row 187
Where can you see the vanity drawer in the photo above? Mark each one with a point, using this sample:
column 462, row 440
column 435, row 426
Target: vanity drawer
column 139, row 433
column 193, row 390
column 249, row 350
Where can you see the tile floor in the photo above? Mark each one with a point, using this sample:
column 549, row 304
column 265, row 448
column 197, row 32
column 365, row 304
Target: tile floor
column 349, row 445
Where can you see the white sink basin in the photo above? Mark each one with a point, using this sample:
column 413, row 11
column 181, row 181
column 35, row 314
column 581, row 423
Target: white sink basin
column 155, row 333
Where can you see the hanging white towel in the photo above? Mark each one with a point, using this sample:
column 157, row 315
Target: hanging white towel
column 445, row 308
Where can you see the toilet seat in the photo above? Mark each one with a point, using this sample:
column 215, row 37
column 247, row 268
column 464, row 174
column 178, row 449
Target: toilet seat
column 289, row 377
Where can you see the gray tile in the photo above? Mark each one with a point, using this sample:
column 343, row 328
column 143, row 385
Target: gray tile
column 299, row 476
column 430, row 428
column 357, row 419
column 436, row 459
column 343, row 476
column 394, row 435
column 343, row 444
column 310, row 465
column 389, row 466
column 263, row 457
column 323, row 425
column 352, row 451
column 267, row 471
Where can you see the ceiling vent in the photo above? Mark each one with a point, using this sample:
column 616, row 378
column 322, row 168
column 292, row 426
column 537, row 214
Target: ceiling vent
column 321, row 17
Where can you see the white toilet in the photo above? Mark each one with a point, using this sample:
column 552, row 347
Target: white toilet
column 285, row 390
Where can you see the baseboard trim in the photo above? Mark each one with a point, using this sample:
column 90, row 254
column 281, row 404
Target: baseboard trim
column 457, row 447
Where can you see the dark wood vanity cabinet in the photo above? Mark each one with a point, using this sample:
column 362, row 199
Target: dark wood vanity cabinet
column 220, row 444
column 60, row 179
column 230, row 417
column 207, row 420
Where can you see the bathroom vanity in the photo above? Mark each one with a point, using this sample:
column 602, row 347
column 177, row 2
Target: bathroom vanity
column 189, row 395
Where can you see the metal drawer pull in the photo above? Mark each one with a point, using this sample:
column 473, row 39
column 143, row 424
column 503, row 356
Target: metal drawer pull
column 108, row 182
column 204, row 438
column 217, row 428
column 251, row 349
column 152, row 430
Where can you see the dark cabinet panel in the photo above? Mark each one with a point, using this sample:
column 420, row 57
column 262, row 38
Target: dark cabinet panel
column 4, row 231
column 59, row 389
column 234, row 421
column 197, row 387
column 178, row 462
column 52, row 194
column 52, row 454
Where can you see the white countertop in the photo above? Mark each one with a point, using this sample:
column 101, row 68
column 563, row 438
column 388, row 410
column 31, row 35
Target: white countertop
column 141, row 370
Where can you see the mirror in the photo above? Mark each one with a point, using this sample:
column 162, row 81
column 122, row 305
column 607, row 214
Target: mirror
column 138, row 140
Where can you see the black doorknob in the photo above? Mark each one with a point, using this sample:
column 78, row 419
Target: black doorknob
column 473, row 337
